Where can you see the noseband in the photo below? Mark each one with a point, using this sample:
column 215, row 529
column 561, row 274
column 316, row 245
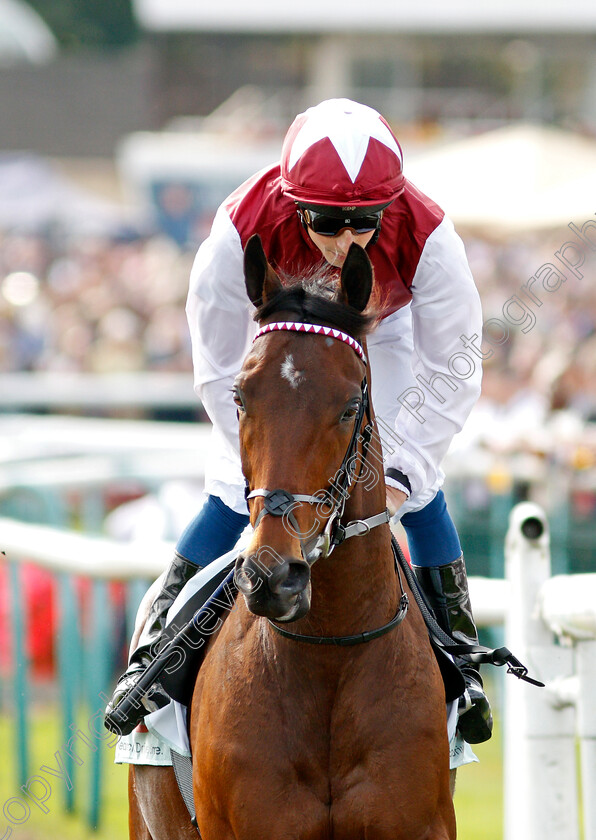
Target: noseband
column 282, row 503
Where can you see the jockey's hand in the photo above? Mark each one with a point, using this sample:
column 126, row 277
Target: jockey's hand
column 395, row 499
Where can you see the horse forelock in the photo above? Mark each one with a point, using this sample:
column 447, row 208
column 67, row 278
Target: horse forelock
column 315, row 298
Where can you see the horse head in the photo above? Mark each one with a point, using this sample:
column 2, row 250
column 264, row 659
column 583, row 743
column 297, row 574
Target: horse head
column 302, row 401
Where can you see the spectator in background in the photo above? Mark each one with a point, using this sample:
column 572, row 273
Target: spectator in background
column 57, row 315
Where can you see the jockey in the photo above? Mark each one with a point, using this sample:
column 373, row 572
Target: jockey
column 340, row 180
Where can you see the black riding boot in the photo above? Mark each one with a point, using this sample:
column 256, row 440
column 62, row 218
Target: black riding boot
column 179, row 572
column 446, row 588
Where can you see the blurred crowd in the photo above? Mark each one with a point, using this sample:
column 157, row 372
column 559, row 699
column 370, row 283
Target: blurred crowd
column 93, row 305
column 539, row 385
column 98, row 305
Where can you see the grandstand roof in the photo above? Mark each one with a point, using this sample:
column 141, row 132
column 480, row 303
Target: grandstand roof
column 424, row 16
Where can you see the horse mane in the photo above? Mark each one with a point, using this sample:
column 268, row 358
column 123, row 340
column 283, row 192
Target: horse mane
column 315, row 298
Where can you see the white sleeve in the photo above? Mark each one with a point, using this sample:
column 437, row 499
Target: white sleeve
column 221, row 327
column 447, row 373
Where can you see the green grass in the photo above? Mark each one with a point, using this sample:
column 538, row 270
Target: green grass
column 479, row 793
column 46, row 739
column 478, row 798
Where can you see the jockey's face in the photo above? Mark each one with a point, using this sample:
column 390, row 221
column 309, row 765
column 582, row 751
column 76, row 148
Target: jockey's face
column 335, row 248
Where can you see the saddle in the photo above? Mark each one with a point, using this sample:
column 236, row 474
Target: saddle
column 185, row 643
column 196, row 623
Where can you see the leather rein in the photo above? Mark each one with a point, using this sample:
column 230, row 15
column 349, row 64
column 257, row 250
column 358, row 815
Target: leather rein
column 282, row 503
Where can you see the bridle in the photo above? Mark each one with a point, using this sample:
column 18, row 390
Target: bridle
column 282, row 503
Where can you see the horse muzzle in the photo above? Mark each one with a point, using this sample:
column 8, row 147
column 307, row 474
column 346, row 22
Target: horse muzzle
column 281, row 591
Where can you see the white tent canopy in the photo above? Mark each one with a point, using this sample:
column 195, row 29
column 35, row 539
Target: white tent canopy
column 516, row 178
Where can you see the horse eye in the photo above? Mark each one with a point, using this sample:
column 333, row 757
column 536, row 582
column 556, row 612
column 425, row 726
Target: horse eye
column 237, row 397
column 351, row 411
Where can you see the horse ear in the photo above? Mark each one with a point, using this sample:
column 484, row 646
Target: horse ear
column 261, row 280
column 357, row 277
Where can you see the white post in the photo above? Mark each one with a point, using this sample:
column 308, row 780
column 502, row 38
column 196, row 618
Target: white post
column 568, row 605
column 540, row 774
column 586, row 726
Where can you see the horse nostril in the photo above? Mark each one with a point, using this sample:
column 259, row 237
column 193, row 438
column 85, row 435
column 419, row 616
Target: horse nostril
column 286, row 579
column 246, row 576
column 290, row 578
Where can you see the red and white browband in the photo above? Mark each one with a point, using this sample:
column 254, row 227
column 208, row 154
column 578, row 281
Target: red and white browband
column 295, row 326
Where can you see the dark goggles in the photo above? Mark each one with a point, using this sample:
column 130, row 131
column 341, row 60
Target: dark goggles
column 332, row 226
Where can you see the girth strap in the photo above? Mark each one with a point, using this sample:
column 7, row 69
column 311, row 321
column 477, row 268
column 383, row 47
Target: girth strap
column 182, row 766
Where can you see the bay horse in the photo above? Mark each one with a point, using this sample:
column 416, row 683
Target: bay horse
column 319, row 710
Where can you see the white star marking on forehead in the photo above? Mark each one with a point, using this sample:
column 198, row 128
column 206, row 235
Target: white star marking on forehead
column 289, row 372
column 351, row 146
